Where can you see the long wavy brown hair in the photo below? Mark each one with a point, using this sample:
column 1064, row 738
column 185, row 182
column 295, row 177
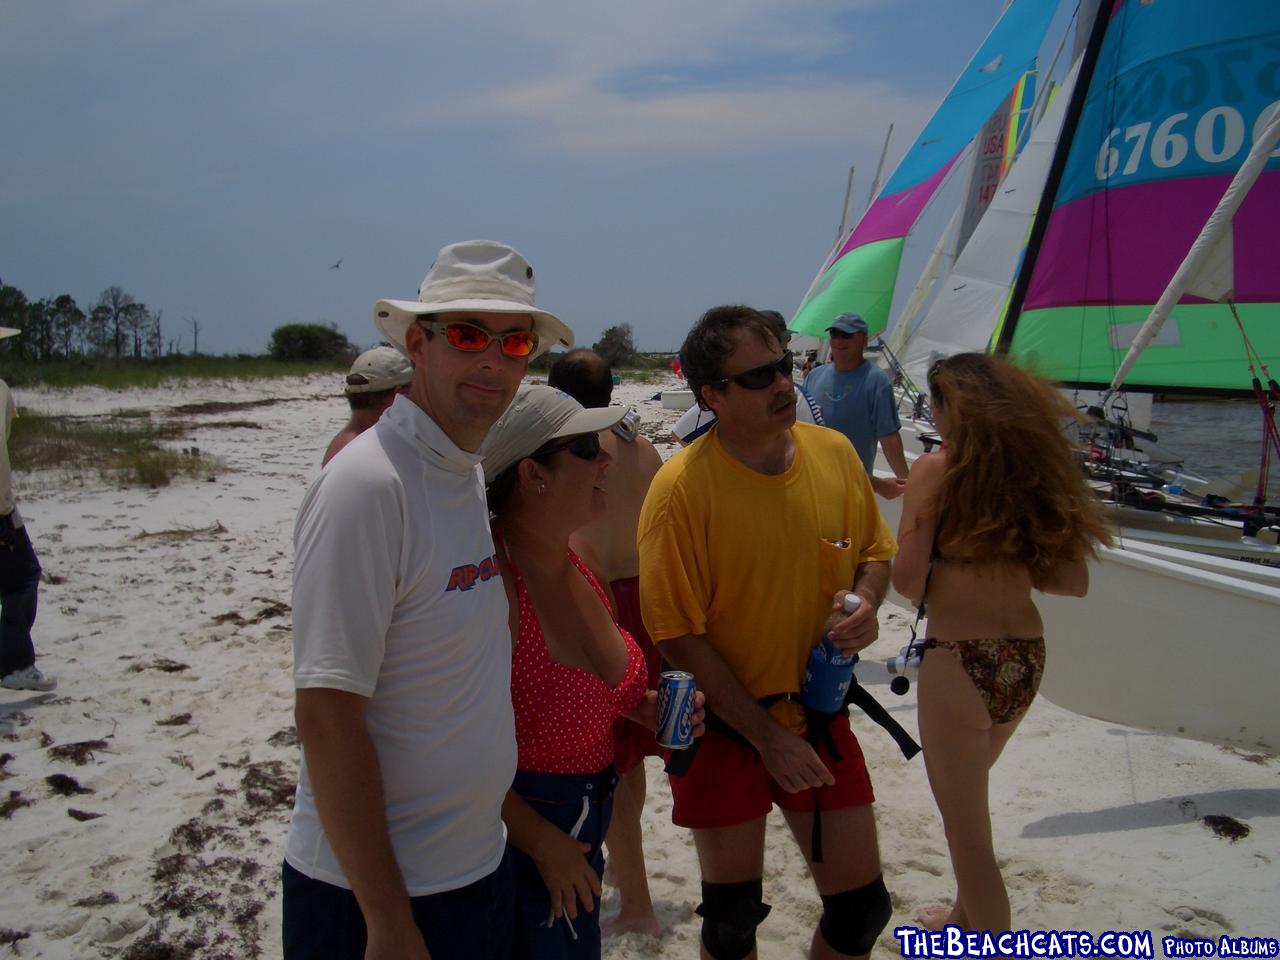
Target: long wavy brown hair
column 1012, row 491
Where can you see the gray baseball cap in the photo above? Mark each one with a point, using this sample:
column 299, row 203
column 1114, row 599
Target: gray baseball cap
column 539, row 413
column 382, row 368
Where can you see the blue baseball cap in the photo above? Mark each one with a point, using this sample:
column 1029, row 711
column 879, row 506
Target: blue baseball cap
column 848, row 323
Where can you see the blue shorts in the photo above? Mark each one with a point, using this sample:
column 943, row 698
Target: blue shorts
column 475, row 922
column 562, row 798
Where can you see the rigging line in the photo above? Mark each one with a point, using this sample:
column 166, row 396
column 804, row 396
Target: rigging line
column 1270, row 434
column 1251, row 352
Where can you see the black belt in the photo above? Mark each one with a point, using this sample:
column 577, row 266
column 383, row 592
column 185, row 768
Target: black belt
column 817, row 732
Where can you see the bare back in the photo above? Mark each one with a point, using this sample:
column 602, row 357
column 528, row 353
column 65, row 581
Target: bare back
column 966, row 601
column 981, row 601
column 611, row 539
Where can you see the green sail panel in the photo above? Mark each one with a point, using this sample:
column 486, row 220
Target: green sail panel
column 865, row 276
column 1199, row 349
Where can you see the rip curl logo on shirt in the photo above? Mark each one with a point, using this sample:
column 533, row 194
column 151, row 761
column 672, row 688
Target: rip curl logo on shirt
column 468, row 575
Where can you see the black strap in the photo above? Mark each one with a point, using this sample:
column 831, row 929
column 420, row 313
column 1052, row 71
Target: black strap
column 817, row 732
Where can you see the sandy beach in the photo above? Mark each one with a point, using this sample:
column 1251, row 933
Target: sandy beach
column 143, row 804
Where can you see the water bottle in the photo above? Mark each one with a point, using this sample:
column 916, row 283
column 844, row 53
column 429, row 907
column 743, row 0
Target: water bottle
column 830, row 669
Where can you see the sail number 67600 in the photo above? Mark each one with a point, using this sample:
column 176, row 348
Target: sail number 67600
column 1217, row 137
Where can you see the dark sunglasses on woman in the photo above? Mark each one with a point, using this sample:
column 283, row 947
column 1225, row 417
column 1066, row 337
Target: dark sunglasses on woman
column 757, row 378
column 586, row 446
column 470, row 338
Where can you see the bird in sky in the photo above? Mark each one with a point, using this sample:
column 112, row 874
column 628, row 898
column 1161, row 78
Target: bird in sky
column 337, row 265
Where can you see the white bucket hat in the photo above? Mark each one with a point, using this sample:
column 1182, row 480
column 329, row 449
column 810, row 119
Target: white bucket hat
column 538, row 414
column 382, row 368
column 479, row 275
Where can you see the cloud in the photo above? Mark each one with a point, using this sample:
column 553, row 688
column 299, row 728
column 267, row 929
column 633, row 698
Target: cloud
column 574, row 117
column 605, row 79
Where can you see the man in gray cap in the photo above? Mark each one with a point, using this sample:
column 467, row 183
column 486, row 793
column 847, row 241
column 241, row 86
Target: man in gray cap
column 856, row 398
column 402, row 652
column 375, row 379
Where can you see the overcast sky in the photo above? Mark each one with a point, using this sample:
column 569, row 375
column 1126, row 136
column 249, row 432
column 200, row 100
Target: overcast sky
column 215, row 157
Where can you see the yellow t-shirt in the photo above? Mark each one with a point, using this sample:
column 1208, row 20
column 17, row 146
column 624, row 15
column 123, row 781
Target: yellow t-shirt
column 751, row 561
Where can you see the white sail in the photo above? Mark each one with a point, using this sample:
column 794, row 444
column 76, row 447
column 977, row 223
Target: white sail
column 966, row 310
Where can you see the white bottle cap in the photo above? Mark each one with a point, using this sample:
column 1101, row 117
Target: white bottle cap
column 851, row 602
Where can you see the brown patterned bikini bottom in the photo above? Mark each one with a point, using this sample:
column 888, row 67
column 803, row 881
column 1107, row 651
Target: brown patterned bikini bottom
column 1006, row 671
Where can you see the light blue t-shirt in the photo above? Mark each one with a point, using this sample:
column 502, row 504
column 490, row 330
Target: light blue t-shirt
column 858, row 402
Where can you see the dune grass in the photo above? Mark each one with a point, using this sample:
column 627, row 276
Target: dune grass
column 123, row 374
column 124, row 448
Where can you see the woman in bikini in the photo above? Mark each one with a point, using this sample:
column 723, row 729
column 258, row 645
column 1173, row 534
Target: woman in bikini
column 574, row 670
column 1000, row 510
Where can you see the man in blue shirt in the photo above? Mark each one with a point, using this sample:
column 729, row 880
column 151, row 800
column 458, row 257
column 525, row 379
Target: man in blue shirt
column 857, row 399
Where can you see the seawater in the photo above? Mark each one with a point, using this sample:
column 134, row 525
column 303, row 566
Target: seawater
column 1213, row 438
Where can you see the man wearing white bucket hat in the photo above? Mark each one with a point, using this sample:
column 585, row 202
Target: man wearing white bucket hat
column 402, row 654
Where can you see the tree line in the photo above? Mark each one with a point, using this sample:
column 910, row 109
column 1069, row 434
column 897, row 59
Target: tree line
column 117, row 325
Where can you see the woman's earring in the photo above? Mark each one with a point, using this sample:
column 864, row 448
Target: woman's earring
column 542, row 488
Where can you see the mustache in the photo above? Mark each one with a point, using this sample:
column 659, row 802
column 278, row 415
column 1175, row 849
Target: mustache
column 783, row 403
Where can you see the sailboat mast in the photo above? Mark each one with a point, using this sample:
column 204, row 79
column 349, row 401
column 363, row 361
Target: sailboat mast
column 1054, row 179
column 884, row 151
column 844, row 210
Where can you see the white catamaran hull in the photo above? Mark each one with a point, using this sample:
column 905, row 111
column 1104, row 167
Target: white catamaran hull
column 1173, row 647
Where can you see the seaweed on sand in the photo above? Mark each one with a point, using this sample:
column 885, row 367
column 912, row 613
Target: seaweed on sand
column 183, row 534
column 1227, row 827
column 15, row 802
column 10, row 937
column 79, row 753
column 266, row 785
column 65, row 786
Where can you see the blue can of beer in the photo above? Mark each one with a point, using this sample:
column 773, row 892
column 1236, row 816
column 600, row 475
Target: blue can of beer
column 829, row 671
column 827, row 677
column 675, row 710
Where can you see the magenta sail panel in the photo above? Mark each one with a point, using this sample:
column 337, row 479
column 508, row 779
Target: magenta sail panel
column 892, row 216
column 1123, row 245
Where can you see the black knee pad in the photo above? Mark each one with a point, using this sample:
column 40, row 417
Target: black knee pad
column 852, row 920
column 730, row 914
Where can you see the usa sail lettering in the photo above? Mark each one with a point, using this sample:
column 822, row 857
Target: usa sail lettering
column 1217, row 137
column 952, row 941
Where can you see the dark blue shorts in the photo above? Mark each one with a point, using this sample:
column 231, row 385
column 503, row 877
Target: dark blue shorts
column 559, row 797
column 475, row 922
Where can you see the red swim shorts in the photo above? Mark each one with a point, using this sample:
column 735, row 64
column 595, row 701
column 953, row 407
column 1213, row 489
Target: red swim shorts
column 631, row 741
column 728, row 784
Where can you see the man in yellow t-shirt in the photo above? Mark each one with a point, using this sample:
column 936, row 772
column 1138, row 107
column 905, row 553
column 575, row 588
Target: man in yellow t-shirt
column 749, row 538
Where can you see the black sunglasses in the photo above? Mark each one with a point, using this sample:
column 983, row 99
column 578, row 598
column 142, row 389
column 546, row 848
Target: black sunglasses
column 585, row 446
column 757, row 378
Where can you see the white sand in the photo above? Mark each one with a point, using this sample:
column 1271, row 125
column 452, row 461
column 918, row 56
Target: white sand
column 1098, row 826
